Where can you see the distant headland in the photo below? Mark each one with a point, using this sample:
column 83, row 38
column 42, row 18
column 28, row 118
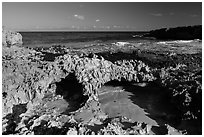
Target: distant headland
column 178, row 33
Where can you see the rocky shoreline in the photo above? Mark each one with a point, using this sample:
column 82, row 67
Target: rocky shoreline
column 36, row 97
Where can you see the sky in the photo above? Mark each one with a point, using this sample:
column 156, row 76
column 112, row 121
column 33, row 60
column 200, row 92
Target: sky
column 108, row 16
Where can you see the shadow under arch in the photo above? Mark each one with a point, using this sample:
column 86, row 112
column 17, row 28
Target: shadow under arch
column 151, row 100
column 71, row 91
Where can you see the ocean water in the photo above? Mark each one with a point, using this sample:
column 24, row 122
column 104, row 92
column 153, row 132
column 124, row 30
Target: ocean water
column 33, row 39
column 80, row 40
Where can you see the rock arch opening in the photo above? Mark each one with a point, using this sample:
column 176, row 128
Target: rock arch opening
column 71, row 91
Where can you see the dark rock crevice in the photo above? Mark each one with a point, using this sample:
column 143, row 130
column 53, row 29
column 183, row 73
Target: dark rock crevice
column 14, row 118
column 71, row 91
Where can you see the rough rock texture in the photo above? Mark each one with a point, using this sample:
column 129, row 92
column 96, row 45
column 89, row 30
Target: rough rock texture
column 182, row 79
column 185, row 88
column 184, row 33
column 27, row 79
column 10, row 38
column 37, row 98
column 31, row 77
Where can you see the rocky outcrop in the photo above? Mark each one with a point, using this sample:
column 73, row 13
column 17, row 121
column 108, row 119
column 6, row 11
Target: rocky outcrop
column 185, row 88
column 27, row 78
column 10, row 38
column 32, row 87
column 178, row 33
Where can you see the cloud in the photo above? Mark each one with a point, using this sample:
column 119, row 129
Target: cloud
column 171, row 13
column 97, row 20
column 81, row 5
column 157, row 14
column 79, row 17
column 115, row 26
column 107, row 27
column 193, row 15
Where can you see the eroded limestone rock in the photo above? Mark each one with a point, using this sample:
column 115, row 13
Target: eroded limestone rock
column 10, row 38
column 28, row 79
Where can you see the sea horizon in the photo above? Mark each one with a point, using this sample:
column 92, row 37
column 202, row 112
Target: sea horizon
column 81, row 31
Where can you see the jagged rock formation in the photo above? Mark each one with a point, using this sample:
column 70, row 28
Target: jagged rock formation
column 185, row 88
column 27, row 80
column 10, row 38
column 33, row 88
column 31, row 77
column 178, row 33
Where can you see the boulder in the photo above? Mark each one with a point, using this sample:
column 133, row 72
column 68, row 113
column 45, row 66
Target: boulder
column 10, row 38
